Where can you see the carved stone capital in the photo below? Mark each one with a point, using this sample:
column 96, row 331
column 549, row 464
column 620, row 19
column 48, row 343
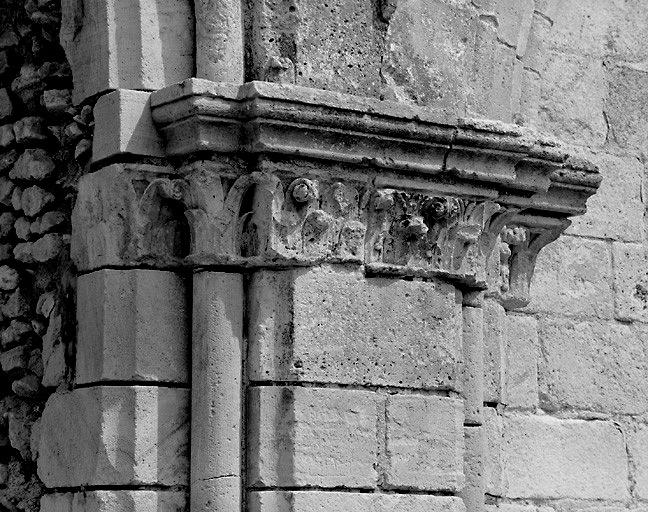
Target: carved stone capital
column 266, row 174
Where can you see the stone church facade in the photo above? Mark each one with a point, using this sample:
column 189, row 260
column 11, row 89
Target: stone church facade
column 333, row 256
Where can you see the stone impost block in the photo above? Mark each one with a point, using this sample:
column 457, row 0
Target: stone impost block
column 331, row 324
column 310, row 437
column 550, row 458
column 132, row 326
column 123, row 126
column 521, row 372
column 593, row 366
column 115, row 501
column 318, row 501
column 424, row 443
column 143, row 44
column 115, row 436
column 573, row 276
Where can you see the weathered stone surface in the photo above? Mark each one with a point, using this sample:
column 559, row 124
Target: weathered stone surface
column 331, row 324
column 115, row 501
column 123, row 125
column 310, row 437
column 427, row 54
column 596, row 366
column 625, row 106
column 33, row 164
column 573, row 277
column 115, row 436
column 472, row 492
column 289, row 47
column 30, row 130
column 521, row 371
column 493, row 430
column 473, row 367
column 494, row 350
column 311, row 501
column 572, row 100
column 132, row 325
column 48, row 247
column 546, row 457
column 121, row 44
column 630, row 282
column 34, row 199
column 424, row 442
column 637, row 442
column 616, row 211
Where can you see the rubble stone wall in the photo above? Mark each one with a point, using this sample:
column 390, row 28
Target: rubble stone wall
column 44, row 145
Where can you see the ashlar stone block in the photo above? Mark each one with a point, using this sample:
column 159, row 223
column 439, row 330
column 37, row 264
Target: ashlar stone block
column 123, row 126
column 616, row 211
column 573, row 277
column 630, row 282
column 115, row 436
column 115, row 501
column 309, row 437
column 424, row 443
column 637, row 442
column 143, row 44
column 133, row 325
column 318, row 501
column 548, row 458
column 521, row 380
column 331, row 324
column 594, row 366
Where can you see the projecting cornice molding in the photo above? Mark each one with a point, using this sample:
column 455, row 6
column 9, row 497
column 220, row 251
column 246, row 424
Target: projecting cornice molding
column 274, row 175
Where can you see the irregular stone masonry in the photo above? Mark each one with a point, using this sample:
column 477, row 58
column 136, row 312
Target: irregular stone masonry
column 335, row 285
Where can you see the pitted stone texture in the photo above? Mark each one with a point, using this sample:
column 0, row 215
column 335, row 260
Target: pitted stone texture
column 123, row 125
column 616, row 211
column 521, row 380
column 115, row 436
column 145, row 44
column 428, row 54
column 309, row 437
column 115, row 501
column 331, row 324
column 424, row 443
column 546, row 457
column 630, row 282
column 318, row 501
column 573, row 277
column 595, row 366
column 132, row 326
column 333, row 45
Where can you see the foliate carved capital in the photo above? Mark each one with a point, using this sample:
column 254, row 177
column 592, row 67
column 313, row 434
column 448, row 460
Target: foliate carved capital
column 425, row 232
column 209, row 216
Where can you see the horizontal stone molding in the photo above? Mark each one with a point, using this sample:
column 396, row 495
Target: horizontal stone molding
column 269, row 175
column 493, row 159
